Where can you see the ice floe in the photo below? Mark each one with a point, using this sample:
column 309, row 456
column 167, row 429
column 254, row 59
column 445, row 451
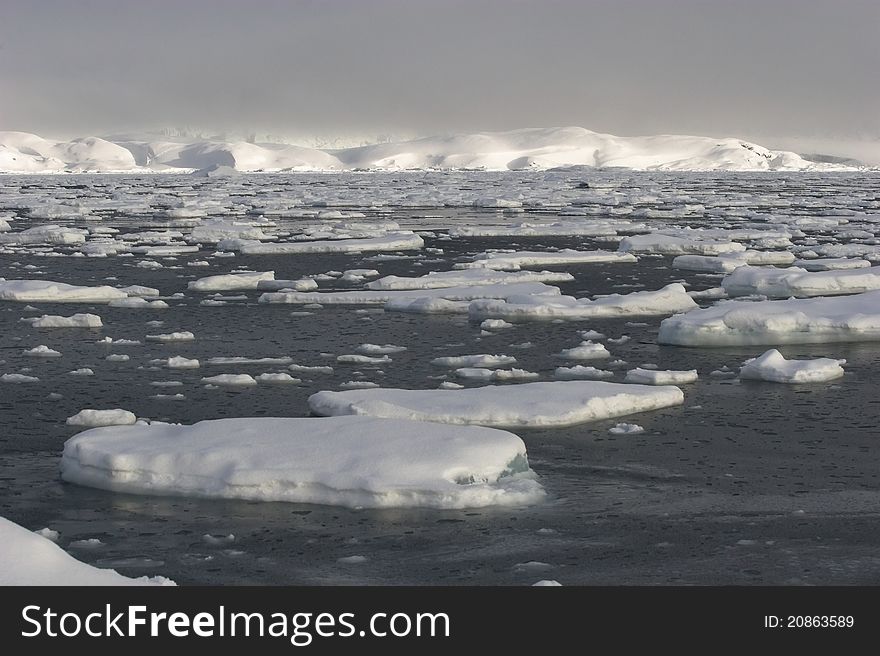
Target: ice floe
column 348, row 461
column 540, row 404
column 773, row 367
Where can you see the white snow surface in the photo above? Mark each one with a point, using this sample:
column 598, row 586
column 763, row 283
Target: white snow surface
column 794, row 281
column 47, row 291
column 853, row 318
column 347, row 461
column 30, row 559
column 528, row 148
column 539, row 404
column 73, row 321
column 772, row 366
column 668, row 300
column 92, row 418
column 527, row 259
column 660, row 377
column 230, row 281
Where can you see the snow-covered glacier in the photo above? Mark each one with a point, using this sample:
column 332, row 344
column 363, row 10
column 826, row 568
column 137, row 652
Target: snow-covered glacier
column 530, row 148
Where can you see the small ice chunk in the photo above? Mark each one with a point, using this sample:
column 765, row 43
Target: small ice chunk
column 93, row 418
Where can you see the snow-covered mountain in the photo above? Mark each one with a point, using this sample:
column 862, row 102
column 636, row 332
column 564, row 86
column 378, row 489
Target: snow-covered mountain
column 532, row 148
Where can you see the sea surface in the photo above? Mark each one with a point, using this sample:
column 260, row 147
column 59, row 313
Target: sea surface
column 746, row 483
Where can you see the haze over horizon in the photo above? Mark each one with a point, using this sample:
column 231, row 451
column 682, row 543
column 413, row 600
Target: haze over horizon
column 787, row 74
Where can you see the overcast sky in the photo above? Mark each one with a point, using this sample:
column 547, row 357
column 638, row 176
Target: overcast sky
column 752, row 68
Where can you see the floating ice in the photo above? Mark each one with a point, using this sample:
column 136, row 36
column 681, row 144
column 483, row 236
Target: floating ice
column 46, row 291
column 394, row 241
column 669, row 245
column 586, row 350
column 581, row 372
column 73, row 321
column 30, row 559
column 773, row 367
column 660, row 377
column 93, row 418
column 41, row 351
column 230, row 380
column 180, row 362
column 483, row 360
column 468, row 277
column 541, row 404
column 515, row 261
column 348, row 461
column 377, row 297
column 784, row 283
column 668, row 300
column 230, row 281
column 801, row 321
column 183, row 336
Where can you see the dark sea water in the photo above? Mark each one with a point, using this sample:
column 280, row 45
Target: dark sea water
column 747, row 482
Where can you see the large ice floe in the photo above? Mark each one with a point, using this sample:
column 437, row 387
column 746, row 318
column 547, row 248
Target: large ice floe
column 773, row 367
column 668, row 300
column 853, row 318
column 230, row 281
column 47, row 291
column 794, row 281
column 540, row 404
column 381, row 297
column 347, row 461
column 672, row 245
column 445, row 279
column 527, row 259
column 29, row 559
column 392, row 241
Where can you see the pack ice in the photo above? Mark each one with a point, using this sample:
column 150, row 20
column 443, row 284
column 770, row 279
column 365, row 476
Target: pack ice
column 347, row 461
column 29, row 559
column 541, row 404
column 773, row 367
column 799, row 321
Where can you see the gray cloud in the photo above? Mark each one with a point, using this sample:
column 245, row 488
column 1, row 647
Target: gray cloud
column 754, row 68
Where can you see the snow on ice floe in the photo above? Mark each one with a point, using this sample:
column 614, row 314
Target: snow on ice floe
column 407, row 296
column 41, row 351
column 47, row 291
column 530, row 148
column 530, row 229
column 773, row 367
column 660, row 377
column 586, row 350
column 230, row 281
column 480, row 373
column 831, row 263
column 138, row 303
column 727, row 262
column 468, row 277
column 626, row 429
column 18, row 378
column 93, row 418
column 74, row 321
column 853, row 318
column 483, row 360
column 581, row 372
column 180, row 362
column 30, row 559
column 347, row 461
column 527, row 259
column 230, row 380
column 394, row 241
column 794, row 281
column 539, row 404
column 670, row 245
column 180, row 336
column 301, row 285
column 668, row 300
